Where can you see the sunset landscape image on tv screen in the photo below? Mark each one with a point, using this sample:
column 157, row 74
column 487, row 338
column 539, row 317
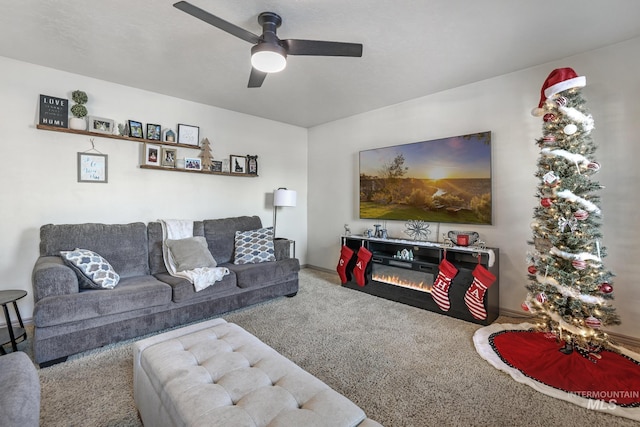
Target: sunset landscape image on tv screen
column 443, row 180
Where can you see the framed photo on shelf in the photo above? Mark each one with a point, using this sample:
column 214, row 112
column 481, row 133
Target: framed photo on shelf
column 135, row 129
column 189, row 135
column 238, row 164
column 154, row 132
column 100, row 125
column 169, row 156
column 193, row 163
column 92, row 167
column 216, row 166
column 152, row 154
column 252, row 165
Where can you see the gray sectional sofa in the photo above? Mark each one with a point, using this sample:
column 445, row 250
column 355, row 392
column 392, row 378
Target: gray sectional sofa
column 20, row 399
column 69, row 319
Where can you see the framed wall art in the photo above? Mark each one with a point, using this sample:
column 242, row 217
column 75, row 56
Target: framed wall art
column 189, row 135
column 216, row 166
column 193, row 163
column 252, row 165
column 92, row 167
column 100, row 125
column 54, row 111
column 135, row 129
column 152, row 154
column 154, row 132
column 238, row 164
column 169, row 156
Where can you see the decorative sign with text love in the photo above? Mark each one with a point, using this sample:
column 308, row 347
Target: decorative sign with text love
column 54, row 111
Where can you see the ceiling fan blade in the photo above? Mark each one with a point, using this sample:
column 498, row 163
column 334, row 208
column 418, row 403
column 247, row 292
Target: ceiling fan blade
column 321, row 48
column 217, row 22
column 256, row 78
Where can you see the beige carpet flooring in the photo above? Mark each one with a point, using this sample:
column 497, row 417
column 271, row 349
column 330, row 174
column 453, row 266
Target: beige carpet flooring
column 404, row 366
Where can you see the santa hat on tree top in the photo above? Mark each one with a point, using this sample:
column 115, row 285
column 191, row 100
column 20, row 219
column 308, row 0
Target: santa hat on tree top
column 558, row 81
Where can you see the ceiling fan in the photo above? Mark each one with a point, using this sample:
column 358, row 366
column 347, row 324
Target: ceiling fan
column 269, row 53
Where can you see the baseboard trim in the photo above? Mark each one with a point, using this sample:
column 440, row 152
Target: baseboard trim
column 315, row 267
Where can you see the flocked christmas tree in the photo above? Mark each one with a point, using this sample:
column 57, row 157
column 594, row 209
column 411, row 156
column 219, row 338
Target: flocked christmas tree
column 569, row 287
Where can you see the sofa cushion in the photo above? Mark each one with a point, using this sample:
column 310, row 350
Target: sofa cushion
column 124, row 245
column 183, row 290
column 132, row 293
column 94, row 272
column 220, row 234
column 259, row 275
column 254, row 246
column 190, row 253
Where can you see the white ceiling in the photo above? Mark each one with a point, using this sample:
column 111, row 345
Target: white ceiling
column 412, row 48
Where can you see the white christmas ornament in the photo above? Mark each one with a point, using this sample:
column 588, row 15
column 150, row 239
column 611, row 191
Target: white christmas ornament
column 570, row 129
column 551, row 179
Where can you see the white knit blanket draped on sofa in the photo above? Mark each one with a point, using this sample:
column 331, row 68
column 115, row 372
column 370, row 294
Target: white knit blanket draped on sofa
column 201, row 277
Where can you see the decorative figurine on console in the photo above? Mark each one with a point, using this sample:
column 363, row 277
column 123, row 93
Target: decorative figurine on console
column 406, row 254
column 347, row 230
column 417, row 229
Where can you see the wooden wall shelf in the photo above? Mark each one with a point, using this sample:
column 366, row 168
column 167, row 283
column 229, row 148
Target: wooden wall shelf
column 162, row 168
column 148, row 141
column 108, row 135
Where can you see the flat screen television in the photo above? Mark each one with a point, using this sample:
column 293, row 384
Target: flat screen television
column 444, row 180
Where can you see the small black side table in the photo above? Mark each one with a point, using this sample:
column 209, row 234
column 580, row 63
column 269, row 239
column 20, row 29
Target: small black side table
column 11, row 334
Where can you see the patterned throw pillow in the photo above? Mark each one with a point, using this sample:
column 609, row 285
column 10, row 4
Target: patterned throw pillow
column 254, row 246
column 94, row 272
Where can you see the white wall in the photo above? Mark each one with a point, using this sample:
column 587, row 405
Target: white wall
column 501, row 105
column 38, row 178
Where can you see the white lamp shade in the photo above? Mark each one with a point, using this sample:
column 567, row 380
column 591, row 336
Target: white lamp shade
column 284, row 197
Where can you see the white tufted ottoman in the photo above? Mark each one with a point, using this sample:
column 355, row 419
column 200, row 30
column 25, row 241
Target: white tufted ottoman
column 217, row 374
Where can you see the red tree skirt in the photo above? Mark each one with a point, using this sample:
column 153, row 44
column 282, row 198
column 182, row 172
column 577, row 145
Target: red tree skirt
column 611, row 385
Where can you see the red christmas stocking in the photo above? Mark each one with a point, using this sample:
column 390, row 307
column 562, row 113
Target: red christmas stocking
column 361, row 265
column 440, row 290
column 474, row 297
column 345, row 257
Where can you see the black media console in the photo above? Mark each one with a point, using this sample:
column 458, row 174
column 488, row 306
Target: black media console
column 404, row 271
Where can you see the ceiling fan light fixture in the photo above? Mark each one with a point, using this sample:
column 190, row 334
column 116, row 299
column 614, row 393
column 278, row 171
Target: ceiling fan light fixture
column 268, row 58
